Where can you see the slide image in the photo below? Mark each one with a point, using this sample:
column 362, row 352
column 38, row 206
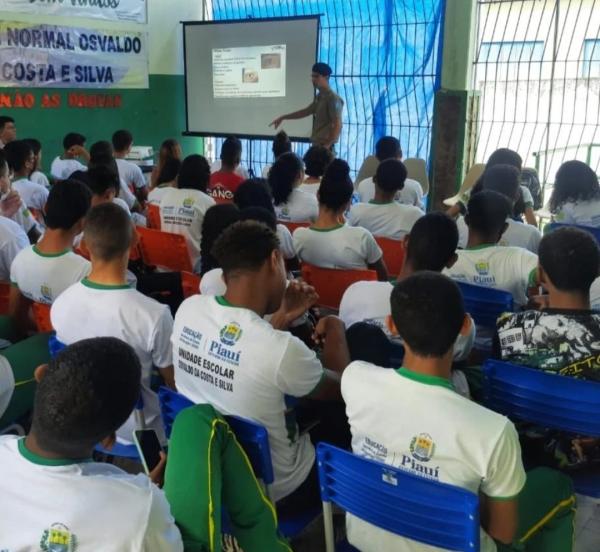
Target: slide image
column 249, row 71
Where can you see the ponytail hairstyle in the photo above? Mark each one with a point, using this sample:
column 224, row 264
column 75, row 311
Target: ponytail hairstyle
column 336, row 186
column 281, row 144
column 285, row 172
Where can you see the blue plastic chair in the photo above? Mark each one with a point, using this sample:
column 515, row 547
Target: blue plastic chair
column 485, row 304
column 548, row 400
column 414, row 507
column 591, row 229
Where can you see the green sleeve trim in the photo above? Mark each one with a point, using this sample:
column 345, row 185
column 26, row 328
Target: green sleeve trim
column 14, row 284
column 532, row 279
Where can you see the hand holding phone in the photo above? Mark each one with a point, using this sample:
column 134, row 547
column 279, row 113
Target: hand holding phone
column 149, row 448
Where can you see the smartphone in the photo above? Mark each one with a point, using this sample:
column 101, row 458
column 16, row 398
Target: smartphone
column 149, row 448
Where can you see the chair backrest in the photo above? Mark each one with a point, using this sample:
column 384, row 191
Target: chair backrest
column 417, row 508
column 153, row 216
column 164, row 249
column 591, row 229
column 472, row 176
column 4, row 297
column 417, row 170
column 331, row 283
column 485, row 304
column 394, row 254
column 41, row 316
column 253, row 437
column 190, row 284
column 292, row 226
column 549, row 400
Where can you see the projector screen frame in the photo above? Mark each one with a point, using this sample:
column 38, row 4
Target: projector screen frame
column 185, row 24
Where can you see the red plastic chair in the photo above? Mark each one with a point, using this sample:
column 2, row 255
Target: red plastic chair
column 153, row 216
column 331, row 283
column 291, row 226
column 164, row 249
column 41, row 316
column 394, row 254
column 190, row 284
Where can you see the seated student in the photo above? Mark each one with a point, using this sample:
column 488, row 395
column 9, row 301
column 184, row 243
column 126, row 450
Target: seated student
column 129, row 172
column 166, row 179
column 329, row 243
column 255, row 192
column 83, row 396
column 443, row 435
column 40, row 273
column 382, row 216
column 486, row 263
column 169, row 149
column 225, row 181
column 103, row 304
column 281, row 144
column 220, row 356
column 291, row 203
column 505, row 179
column 182, row 209
column 103, row 182
column 388, row 147
column 37, row 175
column 74, row 147
column 13, row 240
column 315, row 160
column 595, row 294
column 21, row 162
column 576, row 195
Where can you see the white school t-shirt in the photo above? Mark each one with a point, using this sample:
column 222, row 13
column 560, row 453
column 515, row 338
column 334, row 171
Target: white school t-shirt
column 182, row 212
column 370, row 302
column 389, row 220
column 518, row 234
column 512, row 269
column 88, row 309
column 234, row 360
column 595, row 294
column 7, row 384
column 586, row 213
column 440, row 435
column 157, row 194
column 346, row 247
column 310, row 187
column 39, row 178
column 84, row 505
column 63, row 168
column 411, row 194
column 240, row 170
column 300, row 207
column 286, row 242
column 212, row 282
column 33, row 195
column 43, row 277
column 130, row 173
column 12, row 241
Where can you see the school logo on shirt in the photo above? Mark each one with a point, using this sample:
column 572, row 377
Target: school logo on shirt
column 483, row 277
column 46, row 293
column 188, row 202
column 230, row 334
column 422, row 447
column 482, row 268
column 58, row 538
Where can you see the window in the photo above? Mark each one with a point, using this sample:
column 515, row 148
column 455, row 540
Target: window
column 511, row 60
column 590, row 68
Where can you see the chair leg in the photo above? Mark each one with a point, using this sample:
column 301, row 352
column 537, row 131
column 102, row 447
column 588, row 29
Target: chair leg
column 328, row 524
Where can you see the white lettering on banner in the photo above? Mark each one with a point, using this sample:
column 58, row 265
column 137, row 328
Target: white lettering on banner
column 34, row 55
column 111, row 10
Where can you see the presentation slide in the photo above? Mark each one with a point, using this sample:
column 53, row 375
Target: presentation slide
column 240, row 75
column 249, row 72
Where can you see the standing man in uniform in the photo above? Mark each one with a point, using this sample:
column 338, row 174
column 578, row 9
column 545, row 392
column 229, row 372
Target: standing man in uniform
column 326, row 110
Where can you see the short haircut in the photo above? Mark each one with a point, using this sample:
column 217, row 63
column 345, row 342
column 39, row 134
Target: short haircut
column 388, row 147
column 574, row 181
column 34, row 144
column 231, row 151
column 432, row 242
column 73, row 139
column 390, row 175
column 17, row 153
column 121, row 140
column 244, row 246
column 260, row 214
column 101, row 178
column 316, row 160
column 194, row 173
column 487, row 212
column 101, row 149
column 428, row 311
column 571, row 259
column 336, row 187
column 254, row 192
column 322, row 69
column 216, row 219
column 505, row 156
column 88, row 391
column 170, row 170
column 504, row 179
column 283, row 175
column 281, row 144
column 108, row 231
column 4, row 119
column 68, row 202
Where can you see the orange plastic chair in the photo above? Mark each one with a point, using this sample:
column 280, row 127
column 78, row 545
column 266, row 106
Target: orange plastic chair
column 4, row 297
column 331, row 283
column 291, row 226
column 153, row 216
column 190, row 284
column 41, row 316
column 394, row 254
column 164, row 249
